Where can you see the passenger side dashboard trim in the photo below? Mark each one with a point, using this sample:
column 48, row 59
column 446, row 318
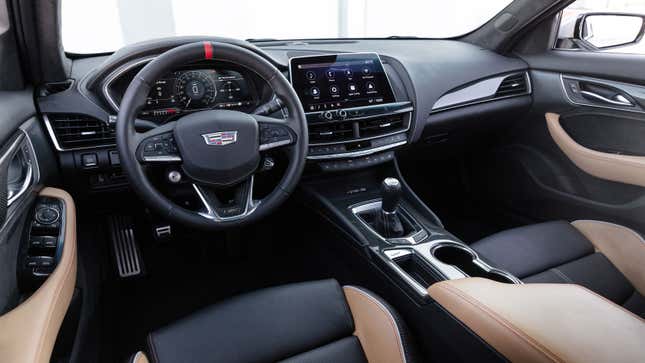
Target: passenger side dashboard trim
column 478, row 92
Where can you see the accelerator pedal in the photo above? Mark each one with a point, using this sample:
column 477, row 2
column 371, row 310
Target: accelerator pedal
column 124, row 243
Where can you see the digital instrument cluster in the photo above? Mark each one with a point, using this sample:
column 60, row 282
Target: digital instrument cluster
column 197, row 89
column 331, row 82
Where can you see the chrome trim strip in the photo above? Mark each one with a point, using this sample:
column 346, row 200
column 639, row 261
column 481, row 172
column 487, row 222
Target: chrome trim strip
column 355, row 154
column 24, row 187
column 272, row 145
column 405, row 106
column 623, row 102
column 162, row 159
column 116, row 74
column 476, row 102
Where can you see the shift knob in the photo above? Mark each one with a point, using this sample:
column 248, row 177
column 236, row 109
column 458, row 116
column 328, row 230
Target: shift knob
column 391, row 194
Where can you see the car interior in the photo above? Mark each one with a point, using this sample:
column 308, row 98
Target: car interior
column 478, row 197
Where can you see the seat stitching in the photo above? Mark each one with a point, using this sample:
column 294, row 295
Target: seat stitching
column 562, row 275
column 502, row 321
column 390, row 319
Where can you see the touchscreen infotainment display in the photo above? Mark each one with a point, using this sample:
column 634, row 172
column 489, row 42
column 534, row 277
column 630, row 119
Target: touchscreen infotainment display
column 340, row 81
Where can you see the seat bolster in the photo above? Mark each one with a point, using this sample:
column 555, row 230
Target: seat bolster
column 622, row 246
column 139, row 357
column 266, row 325
column 376, row 327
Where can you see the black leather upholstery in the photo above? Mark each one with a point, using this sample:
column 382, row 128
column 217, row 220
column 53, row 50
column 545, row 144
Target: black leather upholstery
column 305, row 322
column 555, row 252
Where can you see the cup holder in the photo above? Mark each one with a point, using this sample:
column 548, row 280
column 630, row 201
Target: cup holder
column 467, row 261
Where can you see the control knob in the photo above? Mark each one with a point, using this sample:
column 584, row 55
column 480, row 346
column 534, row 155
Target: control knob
column 328, row 115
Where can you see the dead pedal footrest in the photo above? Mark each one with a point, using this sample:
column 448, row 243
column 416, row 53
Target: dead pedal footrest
column 124, row 244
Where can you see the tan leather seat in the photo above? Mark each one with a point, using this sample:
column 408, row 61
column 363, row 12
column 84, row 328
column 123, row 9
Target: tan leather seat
column 604, row 257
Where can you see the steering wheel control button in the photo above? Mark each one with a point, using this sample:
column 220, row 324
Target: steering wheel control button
column 273, row 136
column 47, row 215
column 160, row 148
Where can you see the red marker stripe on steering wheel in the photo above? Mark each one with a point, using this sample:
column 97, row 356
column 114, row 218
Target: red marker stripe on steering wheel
column 208, row 50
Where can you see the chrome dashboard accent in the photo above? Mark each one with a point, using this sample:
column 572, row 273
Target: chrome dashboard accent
column 354, row 154
column 22, row 145
column 52, row 136
column 479, row 92
column 250, row 205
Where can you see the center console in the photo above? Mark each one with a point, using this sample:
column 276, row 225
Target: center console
column 399, row 248
column 354, row 115
column 398, row 232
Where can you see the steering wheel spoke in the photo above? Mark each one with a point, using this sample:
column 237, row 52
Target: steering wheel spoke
column 275, row 132
column 240, row 206
column 158, row 145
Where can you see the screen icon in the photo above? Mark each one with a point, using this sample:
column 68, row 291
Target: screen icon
column 370, row 87
column 315, row 91
column 366, row 70
column 348, row 73
column 311, row 75
column 334, row 90
column 352, row 87
column 331, row 74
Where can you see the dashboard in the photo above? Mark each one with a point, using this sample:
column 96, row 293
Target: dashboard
column 363, row 99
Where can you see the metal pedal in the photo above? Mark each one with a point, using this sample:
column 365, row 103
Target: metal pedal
column 126, row 251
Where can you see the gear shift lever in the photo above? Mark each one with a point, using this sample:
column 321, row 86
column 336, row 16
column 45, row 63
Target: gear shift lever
column 388, row 222
column 391, row 195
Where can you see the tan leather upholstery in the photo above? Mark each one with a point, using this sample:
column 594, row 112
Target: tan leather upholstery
column 544, row 322
column 375, row 327
column 28, row 332
column 619, row 168
column 140, row 357
column 621, row 245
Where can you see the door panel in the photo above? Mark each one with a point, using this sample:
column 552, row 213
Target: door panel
column 585, row 161
column 19, row 180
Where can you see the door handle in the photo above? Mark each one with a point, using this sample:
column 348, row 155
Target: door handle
column 619, row 100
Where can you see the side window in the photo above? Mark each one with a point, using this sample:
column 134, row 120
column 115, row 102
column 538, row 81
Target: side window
column 603, row 26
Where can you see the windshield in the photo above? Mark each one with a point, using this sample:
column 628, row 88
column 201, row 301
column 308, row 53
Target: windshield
column 96, row 26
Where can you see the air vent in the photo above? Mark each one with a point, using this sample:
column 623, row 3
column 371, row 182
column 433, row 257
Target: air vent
column 74, row 131
column 331, row 132
column 380, row 126
column 513, row 85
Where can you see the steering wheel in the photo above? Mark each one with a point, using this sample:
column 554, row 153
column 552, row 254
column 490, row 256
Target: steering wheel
column 215, row 148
